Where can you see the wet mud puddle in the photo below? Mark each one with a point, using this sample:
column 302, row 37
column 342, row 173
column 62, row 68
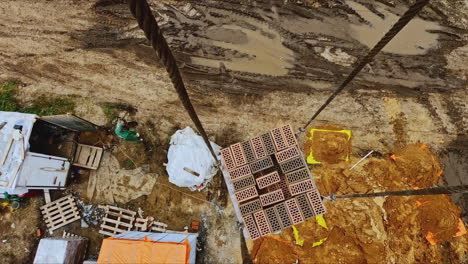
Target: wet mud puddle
column 258, row 49
column 414, row 39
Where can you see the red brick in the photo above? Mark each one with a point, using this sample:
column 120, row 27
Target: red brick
column 273, row 219
column 268, row 143
column 260, row 165
column 287, row 154
column 278, row 139
column 289, row 136
column 238, row 154
column 262, row 223
column 246, row 194
column 267, row 180
column 251, row 227
column 240, row 172
column 304, row 205
column 285, row 187
column 228, row 159
column 283, row 215
column 248, row 151
column 316, row 201
column 298, row 175
column 294, row 211
column 250, row 207
column 272, row 197
column 292, row 165
column 243, row 183
column 301, row 187
column 258, row 147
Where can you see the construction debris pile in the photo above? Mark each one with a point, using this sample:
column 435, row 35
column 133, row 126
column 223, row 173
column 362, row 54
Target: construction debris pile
column 270, row 181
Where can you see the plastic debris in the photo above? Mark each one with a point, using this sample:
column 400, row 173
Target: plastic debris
column 299, row 241
column 126, row 133
column 321, row 221
column 318, row 243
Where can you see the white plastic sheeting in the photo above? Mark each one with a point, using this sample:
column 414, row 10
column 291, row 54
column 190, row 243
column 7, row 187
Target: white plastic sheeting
column 188, row 150
column 14, row 143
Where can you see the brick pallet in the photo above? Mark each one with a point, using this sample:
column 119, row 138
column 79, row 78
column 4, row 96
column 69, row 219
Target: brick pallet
column 270, row 183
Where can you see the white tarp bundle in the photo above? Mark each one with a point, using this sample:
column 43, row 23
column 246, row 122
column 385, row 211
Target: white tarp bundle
column 15, row 130
column 188, row 150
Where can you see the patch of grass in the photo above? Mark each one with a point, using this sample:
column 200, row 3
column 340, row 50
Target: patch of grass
column 112, row 110
column 129, row 164
column 41, row 106
column 7, row 96
column 44, row 106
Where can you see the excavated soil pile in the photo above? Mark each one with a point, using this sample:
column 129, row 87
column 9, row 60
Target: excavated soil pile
column 443, row 225
column 379, row 230
column 328, row 146
column 418, row 166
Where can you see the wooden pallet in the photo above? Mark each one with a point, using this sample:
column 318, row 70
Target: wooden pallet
column 88, row 156
column 148, row 225
column 60, row 212
column 116, row 221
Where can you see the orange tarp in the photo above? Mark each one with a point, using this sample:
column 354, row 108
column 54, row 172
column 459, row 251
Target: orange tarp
column 118, row 250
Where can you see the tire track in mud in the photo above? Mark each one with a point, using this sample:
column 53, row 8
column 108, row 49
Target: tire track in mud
column 296, row 43
column 186, row 25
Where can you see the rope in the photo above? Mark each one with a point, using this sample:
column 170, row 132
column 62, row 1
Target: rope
column 428, row 191
column 146, row 21
column 397, row 27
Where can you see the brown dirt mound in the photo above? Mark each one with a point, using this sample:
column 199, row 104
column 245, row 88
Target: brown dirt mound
column 419, row 166
column 380, row 230
column 443, row 224
column 328, row 147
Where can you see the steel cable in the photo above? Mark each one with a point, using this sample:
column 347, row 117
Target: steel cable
column 147, row 22
column 428, row 191
column 397, row 27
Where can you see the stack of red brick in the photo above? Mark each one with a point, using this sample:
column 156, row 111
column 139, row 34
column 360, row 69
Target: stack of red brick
column 271, row 182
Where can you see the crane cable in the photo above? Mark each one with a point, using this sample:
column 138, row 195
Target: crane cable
column 146, row 21
column 429, row 191
column 397, row 27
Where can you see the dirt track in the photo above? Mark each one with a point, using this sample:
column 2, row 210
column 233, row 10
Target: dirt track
column 300, row 53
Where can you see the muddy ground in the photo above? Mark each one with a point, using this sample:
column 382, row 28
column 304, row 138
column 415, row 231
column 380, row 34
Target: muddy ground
column 250, row 66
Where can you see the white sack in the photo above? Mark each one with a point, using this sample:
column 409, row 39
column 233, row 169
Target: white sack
column 188, row 150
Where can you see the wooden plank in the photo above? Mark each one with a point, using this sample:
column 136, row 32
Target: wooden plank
column 158, row 229
column 104, row 226
column 66, row 223
column 121, row 215
column 91, row 157
column 59, row 224
column 83, row 158
column 57, row 217
column 63, row 210
column 56, row 207
column 118, row 223
column 57, row 201
column 122, row 210
column 97, row 159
